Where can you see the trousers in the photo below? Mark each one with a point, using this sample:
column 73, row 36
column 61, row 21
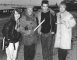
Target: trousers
column 11, row 52
column 29, row 52
column 62, row 53
column 47, row 46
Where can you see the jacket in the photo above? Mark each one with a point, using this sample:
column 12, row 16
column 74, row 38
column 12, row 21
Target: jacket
column 52, row 20
column 28, row 23
column 64, row 31
column 10, row 33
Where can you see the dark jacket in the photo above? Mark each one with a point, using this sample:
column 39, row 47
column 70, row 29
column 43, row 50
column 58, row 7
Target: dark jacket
column 52, row 20
column 9, row 32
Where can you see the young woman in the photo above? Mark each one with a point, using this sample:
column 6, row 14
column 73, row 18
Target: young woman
column 12, row 35
column 65, row 23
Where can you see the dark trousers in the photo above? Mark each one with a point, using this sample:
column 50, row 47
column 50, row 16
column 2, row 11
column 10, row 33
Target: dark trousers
column 62, row 53
column 29, row 52
column 47, row 46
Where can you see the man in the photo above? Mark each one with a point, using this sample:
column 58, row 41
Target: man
column 29, row 36
column 65, row 23
column 46, row 30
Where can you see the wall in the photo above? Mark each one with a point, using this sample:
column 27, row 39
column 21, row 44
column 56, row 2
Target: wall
column 28, row 2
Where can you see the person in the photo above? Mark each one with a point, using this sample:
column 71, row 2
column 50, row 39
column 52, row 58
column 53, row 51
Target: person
column 11, row 35
column 29, row 36
column 65, row 23
column 47, row 29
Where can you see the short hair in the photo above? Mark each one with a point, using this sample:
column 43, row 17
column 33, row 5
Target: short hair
column 45, row 2
column 12, row 17
column 63, row 3
column 18, row 10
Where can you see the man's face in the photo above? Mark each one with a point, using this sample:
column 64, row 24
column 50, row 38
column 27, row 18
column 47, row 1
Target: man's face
column 44, row 7
column 29, row 10
column 62, row 8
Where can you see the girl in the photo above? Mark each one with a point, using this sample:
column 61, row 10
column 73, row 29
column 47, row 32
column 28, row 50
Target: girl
column 12, row 35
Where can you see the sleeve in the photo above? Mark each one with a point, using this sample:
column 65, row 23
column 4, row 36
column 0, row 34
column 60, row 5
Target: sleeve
column 5, row 30
column 39, row 21
column 15, row 35
column 52, row 12
column 71, row 22
column 53, row 21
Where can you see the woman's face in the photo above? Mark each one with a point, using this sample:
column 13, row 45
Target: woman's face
column 17, row 15
column 29, row 11
column 62, row 8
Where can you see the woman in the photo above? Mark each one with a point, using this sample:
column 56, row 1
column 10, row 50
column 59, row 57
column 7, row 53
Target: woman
column 65, row 23
column 12, row 35
column 29, row 36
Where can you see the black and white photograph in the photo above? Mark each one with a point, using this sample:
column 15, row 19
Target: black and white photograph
column 38, row 29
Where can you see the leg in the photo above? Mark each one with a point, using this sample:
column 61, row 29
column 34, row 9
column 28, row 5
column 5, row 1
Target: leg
column 26, row 50
column 15, row 51
column 50, row 47
column 32, row 52
column 44, row 43
column 29, row 52
column 47, row 47
column 62, row 53
column 9, row 51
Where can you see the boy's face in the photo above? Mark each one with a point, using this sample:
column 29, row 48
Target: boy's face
column 44, row 7
column 62, row 8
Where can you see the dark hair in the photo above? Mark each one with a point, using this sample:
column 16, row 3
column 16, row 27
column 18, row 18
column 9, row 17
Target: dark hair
column 44, row 2
column 63, row 3
column 18, row 10
column 12, row 18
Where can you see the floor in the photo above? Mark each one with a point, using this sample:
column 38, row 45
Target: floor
column 71, row 56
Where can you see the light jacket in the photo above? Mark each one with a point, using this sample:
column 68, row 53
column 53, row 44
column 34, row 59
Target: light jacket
column 64, row 31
